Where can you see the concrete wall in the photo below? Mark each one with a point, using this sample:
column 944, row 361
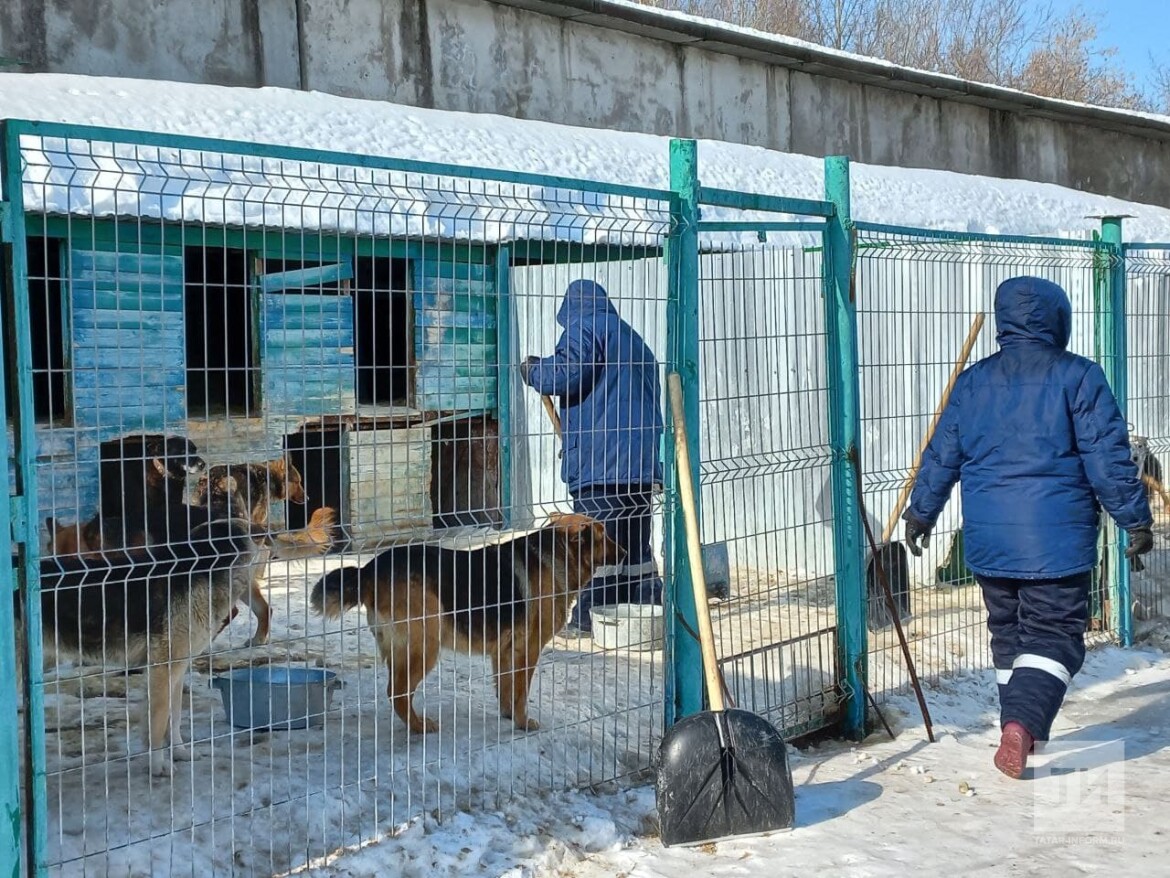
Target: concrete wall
column 594, row 63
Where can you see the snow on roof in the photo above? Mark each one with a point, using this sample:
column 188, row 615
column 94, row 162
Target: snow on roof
column 98, row 179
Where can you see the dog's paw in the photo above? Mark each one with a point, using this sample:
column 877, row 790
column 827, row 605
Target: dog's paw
column 161, row 764
column 180, row 752
column 423, row 726
column 528, row 725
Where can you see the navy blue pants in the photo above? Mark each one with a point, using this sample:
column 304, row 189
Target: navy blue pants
column 1037, row 643
column 626, row 514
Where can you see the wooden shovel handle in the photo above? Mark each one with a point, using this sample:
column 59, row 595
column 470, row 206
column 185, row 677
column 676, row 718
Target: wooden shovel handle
column 964, row 354
column 694, row 550
column 552, row 413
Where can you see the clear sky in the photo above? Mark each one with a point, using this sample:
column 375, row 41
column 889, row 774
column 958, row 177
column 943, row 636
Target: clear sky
column 1135, row 27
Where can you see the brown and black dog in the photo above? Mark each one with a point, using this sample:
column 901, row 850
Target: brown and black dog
column 505, row 601
column 257, row 485
column 254, row 487
column 142, row 482
column 152, row 609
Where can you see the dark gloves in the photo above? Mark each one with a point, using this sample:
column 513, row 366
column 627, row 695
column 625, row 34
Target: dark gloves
column 526, row 367
column 916, row 529
column 1141, row 541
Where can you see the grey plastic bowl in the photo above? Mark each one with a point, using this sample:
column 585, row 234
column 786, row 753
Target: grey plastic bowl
column 272, row 697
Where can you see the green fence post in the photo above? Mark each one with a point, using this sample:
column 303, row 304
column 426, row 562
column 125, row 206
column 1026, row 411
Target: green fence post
column 9, row 681
column 504, row 376
column 1113, row 349
column 684, row 683
column 26, row 530
column 844, row 433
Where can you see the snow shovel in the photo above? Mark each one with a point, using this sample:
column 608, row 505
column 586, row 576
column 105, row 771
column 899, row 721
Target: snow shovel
column 721, row 772
column 891, row 556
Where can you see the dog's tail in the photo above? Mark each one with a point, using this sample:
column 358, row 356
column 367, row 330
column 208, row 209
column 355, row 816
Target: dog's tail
column 315, row 539
column 338, row 590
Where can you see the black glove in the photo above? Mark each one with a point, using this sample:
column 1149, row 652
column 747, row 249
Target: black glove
column 1141, row 541
column 526, row 367
column 914, row 530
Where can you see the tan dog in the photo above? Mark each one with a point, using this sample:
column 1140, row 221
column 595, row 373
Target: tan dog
column 505, row 601
column 254, row 487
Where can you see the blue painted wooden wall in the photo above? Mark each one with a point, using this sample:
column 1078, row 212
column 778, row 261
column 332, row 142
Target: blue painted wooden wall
column 455, row 335
column 128, row 347
column 128, row 356
column 308, row 356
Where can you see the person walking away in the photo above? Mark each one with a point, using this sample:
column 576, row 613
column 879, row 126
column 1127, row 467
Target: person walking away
column 1037, row 441
column 610, row 395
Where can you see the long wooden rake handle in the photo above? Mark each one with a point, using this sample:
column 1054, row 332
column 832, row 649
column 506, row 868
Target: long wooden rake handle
column 551, row 410
column 908, row 485
column 694, row 549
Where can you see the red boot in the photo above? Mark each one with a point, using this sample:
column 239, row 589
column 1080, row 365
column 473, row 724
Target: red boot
column 1014, row 746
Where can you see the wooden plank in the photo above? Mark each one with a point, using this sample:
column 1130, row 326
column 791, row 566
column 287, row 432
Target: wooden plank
column 300, row 278
column 390, row 480
column 456, row 344
column 127, row 348
column 308, row 361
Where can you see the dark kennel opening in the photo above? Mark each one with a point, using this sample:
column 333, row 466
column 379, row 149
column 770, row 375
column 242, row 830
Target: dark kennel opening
column 222, row 367
column 382, row 330
column 47, row 323
column 317, row 454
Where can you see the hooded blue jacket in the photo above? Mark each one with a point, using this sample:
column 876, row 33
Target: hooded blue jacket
column 610, row 394
column 1039, row 444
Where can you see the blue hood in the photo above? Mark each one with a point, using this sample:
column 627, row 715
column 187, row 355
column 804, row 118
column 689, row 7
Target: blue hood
column 584, row 300
column 1031, row 309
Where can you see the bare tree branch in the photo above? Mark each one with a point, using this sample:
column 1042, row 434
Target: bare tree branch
column 1015, row 43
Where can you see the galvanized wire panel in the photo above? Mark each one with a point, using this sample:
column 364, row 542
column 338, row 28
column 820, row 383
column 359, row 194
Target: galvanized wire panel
column 918, row 295
column 1148, row 343
column 765, row 479
column 332, row 336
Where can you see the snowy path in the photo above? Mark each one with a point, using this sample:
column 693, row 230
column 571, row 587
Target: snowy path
column 886, row 808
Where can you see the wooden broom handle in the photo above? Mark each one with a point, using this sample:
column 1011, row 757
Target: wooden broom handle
column 968, row 345
column 552, row 413
column 694, row 550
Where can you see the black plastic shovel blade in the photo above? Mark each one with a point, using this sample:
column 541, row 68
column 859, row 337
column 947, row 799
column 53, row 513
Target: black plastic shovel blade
column 893, row 558
column 722, row 775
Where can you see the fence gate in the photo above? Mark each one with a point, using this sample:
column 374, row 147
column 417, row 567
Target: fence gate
column 765, row 480
column 773, row 336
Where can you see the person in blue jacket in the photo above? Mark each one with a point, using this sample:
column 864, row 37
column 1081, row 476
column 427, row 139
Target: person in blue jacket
column 610, row 398
column 1039, row 444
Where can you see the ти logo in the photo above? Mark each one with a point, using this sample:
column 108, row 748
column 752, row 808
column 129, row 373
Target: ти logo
column 1078, row 791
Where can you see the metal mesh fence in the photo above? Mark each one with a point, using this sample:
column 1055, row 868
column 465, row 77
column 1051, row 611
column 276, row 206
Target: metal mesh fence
column 1148, row 360
column 288, row 377
column 764, row 479
column 308, row 434
column 919, row 296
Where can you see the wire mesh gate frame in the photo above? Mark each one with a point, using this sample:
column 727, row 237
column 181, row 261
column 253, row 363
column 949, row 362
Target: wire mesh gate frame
column 767, row 461
column 919, row 290
column 154, row 196
column 1147, row 319
column 758, row 669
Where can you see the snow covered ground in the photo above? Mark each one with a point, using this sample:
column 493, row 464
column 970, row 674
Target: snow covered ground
column 264, row 803
column 884, row 808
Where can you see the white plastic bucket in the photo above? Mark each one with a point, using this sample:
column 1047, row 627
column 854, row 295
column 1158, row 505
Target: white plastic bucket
column 636, row 627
